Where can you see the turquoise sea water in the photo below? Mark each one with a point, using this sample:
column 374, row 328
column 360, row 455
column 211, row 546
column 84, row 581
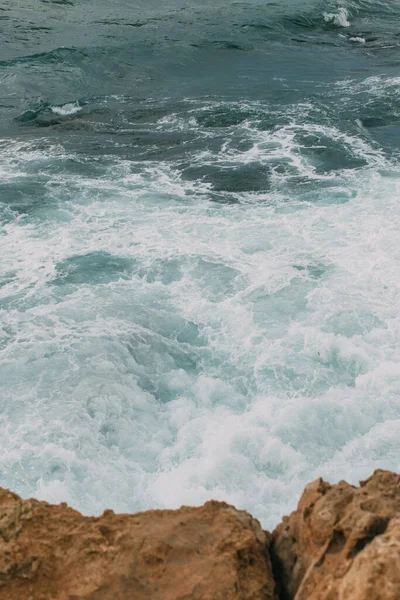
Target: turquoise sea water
column 199, row 249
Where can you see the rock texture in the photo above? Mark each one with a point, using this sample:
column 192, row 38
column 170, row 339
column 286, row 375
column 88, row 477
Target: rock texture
column 54, row 553
column 342, row 542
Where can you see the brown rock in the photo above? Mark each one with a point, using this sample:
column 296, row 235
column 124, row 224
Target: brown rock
column 54, row 553
column 342, row 542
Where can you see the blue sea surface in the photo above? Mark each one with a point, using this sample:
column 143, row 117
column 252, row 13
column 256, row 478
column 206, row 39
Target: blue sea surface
column 199, row 249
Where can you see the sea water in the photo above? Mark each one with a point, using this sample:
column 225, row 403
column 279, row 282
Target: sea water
column 199, row 250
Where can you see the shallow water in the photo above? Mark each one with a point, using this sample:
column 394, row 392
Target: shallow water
column 199, row 250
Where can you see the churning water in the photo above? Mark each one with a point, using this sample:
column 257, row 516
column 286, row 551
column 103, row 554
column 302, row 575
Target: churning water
column 199, row 249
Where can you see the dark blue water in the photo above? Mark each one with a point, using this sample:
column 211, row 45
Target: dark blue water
column 199, row 257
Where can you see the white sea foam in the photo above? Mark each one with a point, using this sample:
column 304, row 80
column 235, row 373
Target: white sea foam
column 231, row 352
column 376, row 86
column 66, row 110
column 339, row 18
column 357, row 40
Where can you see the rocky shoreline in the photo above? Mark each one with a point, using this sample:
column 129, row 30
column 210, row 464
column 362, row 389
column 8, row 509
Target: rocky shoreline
column 342, row 543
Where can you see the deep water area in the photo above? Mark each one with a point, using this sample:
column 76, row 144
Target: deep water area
column 199, row 249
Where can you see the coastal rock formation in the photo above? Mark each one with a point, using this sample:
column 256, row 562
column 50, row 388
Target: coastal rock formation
column 342, row 542
column 54, row 553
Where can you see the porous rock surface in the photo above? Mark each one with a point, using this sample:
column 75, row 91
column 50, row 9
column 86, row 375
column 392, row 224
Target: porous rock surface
column 54, row 553
column 342, row 542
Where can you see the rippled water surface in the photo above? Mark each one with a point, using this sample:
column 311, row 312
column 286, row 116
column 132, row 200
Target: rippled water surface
column 199, row 249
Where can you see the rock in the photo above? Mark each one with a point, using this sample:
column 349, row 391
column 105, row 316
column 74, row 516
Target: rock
column 54, row 553
column 342, row 542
